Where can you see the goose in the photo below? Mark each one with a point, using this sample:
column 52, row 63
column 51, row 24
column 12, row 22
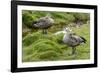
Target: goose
column 72, row 40
column 43, row 23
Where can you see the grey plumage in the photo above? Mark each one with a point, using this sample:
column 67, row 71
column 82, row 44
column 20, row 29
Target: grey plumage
column 72, row 40
column 44, row 23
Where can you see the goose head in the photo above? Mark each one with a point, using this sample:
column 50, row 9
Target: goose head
column 68, row 30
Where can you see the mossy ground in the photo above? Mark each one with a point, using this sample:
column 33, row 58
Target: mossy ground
column 39, row 47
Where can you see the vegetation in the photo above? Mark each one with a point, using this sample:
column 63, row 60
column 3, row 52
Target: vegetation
column 40, row 47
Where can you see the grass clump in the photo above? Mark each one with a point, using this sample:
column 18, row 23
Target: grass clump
column 42, row 49
column 30, row 38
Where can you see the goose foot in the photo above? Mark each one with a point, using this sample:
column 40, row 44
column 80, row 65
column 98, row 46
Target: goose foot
column 73, row 53
column 44, row 31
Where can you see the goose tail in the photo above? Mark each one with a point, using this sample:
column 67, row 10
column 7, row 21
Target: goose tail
column 83, row 40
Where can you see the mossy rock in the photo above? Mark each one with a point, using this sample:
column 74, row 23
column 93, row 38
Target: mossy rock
column 49, row 55
column 30, row 38
column 45, row 45
column 34, row 37
column 42, row 49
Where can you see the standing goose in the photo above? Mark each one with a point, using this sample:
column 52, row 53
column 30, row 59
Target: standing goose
column 44, row 23
column 72, row 40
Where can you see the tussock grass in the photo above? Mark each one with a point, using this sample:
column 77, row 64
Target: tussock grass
column 39, row 47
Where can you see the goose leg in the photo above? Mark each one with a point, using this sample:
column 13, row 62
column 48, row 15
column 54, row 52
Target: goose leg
column 45, row 31
column 73, row 50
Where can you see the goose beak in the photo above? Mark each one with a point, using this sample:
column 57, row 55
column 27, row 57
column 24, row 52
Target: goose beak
column 83, row 42
column 68, row 30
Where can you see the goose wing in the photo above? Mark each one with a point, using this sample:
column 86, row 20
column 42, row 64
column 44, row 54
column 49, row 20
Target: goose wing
column 40, row 23
column 74, row 41
column 44, row 22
